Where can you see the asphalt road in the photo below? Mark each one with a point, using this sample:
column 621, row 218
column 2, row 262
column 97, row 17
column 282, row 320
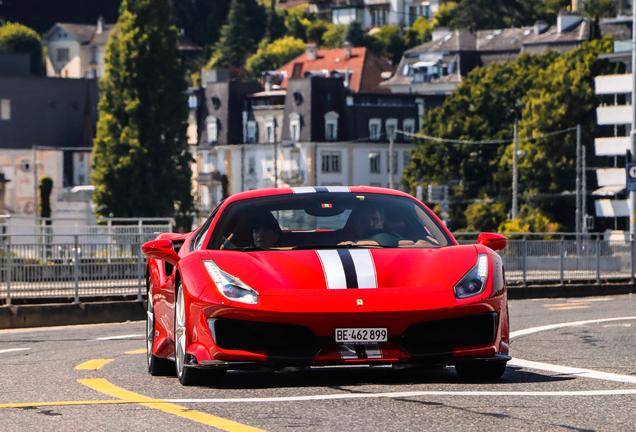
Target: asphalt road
column 570, row 377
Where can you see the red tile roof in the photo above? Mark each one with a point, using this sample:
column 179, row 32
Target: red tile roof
column 364, row 68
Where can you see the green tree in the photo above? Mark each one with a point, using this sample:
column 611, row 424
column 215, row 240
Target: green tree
column 275, row 24
column 273, row 55
column 487, row 14
column 445, row 15
column 244, row 28
column 44, row 206
column 201, row 19
column 355, row 34
column 141, row 160
column 529, row 220
column 419, row 33
column 484, row 216
column 16, row 38
column 334, row 36
column 316, row 30
column 549, row 93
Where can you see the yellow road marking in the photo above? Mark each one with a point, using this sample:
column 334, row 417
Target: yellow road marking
column 569, row 307
column 566, row 304
column 93, row 364
column 101, row 385
column 141, row 351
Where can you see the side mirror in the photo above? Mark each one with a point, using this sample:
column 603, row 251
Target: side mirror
column 494, row 241
column 161, row 249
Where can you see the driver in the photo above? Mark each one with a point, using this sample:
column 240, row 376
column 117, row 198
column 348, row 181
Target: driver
column 363, row 220
column 367, row 218
column 266, row 232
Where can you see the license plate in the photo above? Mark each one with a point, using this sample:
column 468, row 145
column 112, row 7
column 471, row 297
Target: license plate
column 361, row 335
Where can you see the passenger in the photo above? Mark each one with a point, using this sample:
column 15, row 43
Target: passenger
column 266, row 232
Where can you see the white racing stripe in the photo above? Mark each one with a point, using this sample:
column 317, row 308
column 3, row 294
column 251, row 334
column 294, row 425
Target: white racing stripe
column 333, row 269
column 365, row 268
column 410, row 394
column 117, row 337
column 13, row 350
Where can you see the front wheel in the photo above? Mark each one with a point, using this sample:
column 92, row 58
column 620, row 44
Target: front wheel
column 188, row 376
column 481, row 370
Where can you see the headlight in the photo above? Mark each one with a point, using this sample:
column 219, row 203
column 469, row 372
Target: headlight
column 475, row 280
column 232, row 288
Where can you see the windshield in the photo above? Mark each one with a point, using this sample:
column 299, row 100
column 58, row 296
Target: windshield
column 327, row 220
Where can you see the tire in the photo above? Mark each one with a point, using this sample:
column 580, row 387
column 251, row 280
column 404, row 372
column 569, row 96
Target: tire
column 157, row 366
column 481, row 370
column 188, row 376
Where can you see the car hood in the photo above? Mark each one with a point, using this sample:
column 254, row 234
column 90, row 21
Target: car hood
column 438, row 268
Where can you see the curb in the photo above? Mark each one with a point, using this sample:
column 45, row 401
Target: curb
column 48, row 315
column 560, row 291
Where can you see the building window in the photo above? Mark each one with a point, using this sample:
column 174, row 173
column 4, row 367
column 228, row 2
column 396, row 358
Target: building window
column 269, row 132
column 331, row 162
column 26, row 165
column 92, row 55
column 212, row 129
column 63, row 55
column 294, row 127
column 375, row 126
column 391, row 127
column 409, row 127
column 395, row 164
column 251, row 167
column 192, row 102
column 251, row 131
column 5, row 109
column 374, row 162
column 331, row 126
column 407, row 158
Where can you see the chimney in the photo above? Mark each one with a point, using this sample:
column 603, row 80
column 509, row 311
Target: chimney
column 540, row 27
column 566, row 21
column 347, row 50
column 100, row 25
column 311, row 50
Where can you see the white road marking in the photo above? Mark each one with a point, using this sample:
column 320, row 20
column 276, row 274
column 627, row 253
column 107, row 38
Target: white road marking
column 564, row 370
column 117, row 337
column 409, row 394
column 531, row 330
column 617, row 325
column 13, row 350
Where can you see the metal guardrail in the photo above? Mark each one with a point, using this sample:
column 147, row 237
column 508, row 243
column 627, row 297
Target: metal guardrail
column 111, row 263
column 77, row 265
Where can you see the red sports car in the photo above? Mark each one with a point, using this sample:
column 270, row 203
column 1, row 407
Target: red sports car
column 314, row 276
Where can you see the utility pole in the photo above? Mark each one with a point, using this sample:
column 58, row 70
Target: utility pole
column 632, row 194
column 391, row 159
column 578, row 183
column 584, row 194
column 515, row 173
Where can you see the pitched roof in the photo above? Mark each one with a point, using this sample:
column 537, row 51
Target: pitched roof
column 457, row 40
column 84, row 33
column 364, row 67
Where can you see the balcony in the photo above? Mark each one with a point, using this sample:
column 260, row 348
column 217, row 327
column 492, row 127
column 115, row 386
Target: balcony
column 614, row 115
column 292, row 176
column 613, row 84
column 611, row 146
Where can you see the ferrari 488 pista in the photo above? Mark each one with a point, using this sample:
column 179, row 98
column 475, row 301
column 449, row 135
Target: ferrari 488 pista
column 315, row 276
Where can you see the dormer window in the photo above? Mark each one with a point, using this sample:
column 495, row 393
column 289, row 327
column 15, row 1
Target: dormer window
column 391, row 127
column 375, row 125
column 331, row 126
column 409, row 128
